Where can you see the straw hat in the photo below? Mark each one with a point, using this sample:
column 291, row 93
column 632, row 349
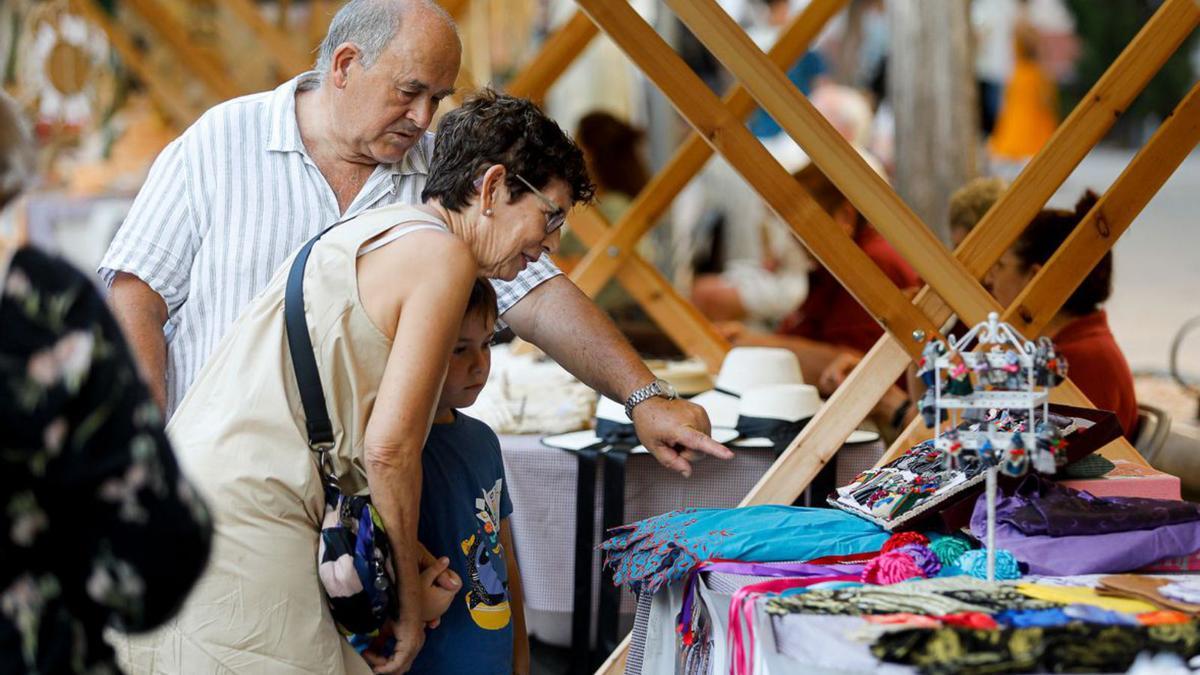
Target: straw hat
column 743, row 369
column 786, row 403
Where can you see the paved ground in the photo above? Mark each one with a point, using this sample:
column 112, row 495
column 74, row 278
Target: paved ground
column 1157, row 262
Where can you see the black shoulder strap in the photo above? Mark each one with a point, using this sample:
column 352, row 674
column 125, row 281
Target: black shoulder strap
column 308, row 378
column 312, row 396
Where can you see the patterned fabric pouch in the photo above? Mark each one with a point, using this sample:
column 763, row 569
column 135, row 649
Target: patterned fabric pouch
column 354, row 559
column 354, row 564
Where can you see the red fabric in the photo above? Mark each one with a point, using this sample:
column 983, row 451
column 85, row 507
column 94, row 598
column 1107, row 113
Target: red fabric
column 831, row 315
column 842, row 559
column 974, row 620
column 904, row 539
column 1095, row 363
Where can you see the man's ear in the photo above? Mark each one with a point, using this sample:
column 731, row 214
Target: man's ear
column 343, row 56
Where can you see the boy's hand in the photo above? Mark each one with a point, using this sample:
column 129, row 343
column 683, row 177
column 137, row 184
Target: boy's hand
column 439, row 585
column 448, row 580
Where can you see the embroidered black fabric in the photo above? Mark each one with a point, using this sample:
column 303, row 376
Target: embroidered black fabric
column 1076, row 647
column 903, row 598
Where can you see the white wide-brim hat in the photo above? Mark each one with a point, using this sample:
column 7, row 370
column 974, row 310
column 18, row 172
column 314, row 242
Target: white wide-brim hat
column 609, row 410
column 743, row 369
column 787, row 403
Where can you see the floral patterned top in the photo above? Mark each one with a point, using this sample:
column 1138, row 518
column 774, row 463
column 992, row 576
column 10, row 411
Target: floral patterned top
column 97, row 526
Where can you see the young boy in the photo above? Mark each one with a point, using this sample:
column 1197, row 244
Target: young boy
column 464, row 516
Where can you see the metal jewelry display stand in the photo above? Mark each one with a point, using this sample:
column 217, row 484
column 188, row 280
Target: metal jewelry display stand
column 973, row 380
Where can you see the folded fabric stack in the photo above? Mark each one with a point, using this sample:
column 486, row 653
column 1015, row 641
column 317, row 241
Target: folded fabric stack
column 1056, row 530
column 824, row 589
column 959, row 624
column 652, row 552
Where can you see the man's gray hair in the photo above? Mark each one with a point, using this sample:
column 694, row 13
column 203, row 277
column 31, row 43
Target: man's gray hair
column 370, row 25
column 17, row 157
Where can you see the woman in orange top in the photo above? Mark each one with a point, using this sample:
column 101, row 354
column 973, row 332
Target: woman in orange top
column 1029, row 111
column 1080, row 329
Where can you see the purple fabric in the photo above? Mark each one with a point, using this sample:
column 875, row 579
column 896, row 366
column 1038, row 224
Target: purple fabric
column 777, row 570
column 926, row 559
column 1089, row 553
column 1042, row 507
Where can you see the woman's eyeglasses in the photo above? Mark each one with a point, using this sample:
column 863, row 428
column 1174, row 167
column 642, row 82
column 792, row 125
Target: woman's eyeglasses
column 556, row 216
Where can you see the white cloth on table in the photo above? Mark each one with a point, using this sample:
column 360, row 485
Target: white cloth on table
column 832, row 645
column 527, row 395
column 1184, row 591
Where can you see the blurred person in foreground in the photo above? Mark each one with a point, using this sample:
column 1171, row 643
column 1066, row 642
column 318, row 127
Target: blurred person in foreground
column 98, row 528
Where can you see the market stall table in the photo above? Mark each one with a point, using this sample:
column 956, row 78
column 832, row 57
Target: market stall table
column 542, row 486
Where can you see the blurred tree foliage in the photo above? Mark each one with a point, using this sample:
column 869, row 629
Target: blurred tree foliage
column 1104, row 29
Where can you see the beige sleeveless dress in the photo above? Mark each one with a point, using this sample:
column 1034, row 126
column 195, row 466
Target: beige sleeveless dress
column 240, row 437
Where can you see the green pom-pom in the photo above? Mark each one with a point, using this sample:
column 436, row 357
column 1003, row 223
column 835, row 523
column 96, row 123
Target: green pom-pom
column 949, row 549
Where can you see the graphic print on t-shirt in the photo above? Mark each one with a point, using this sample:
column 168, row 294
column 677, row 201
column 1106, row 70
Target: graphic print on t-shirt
column 487, row 594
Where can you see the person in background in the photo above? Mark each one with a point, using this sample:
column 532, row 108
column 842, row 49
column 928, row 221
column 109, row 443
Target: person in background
column 969, row 203
column 765, row 271
column 612, row 149
column 1080, row 329
column 992, row 26
column 830, row 322
column 98, row 527
column 1029, row 113
column 806, row 73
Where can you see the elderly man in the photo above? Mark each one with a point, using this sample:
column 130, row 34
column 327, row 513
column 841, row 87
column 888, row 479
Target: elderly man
column 257, row 176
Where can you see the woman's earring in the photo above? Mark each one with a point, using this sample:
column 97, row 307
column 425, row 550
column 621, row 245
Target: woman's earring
column 488, row 212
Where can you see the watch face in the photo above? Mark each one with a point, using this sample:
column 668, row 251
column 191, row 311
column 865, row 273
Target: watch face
column 667, row 389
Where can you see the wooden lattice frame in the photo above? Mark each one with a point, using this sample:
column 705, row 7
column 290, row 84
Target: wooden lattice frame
column 953, row 280
column 817, row 445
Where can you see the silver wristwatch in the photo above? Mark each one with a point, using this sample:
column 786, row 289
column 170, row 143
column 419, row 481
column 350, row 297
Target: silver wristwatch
column 656, row 388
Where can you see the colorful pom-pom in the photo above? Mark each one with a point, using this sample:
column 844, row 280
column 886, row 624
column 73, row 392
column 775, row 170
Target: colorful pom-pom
column 974, row 563
column 949, row 549
column 925, row 559
column 890, row 568
column 904, row 539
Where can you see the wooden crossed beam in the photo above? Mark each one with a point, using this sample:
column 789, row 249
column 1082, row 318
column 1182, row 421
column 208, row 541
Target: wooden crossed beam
column 174, row 34
column 872, row 196
column 617, row 246
column 611, row 246
column 677, row 317
column 287, row 59
column 1128, row 75
column 1087, row 124
column 164, row 92
column 1094, row 236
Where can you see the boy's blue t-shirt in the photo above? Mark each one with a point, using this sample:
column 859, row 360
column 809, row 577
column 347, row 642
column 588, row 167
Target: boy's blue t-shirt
column 462, row 503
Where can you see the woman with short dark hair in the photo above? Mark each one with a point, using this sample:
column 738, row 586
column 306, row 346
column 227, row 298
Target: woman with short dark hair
column 384, row 296
column 1080, row 329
